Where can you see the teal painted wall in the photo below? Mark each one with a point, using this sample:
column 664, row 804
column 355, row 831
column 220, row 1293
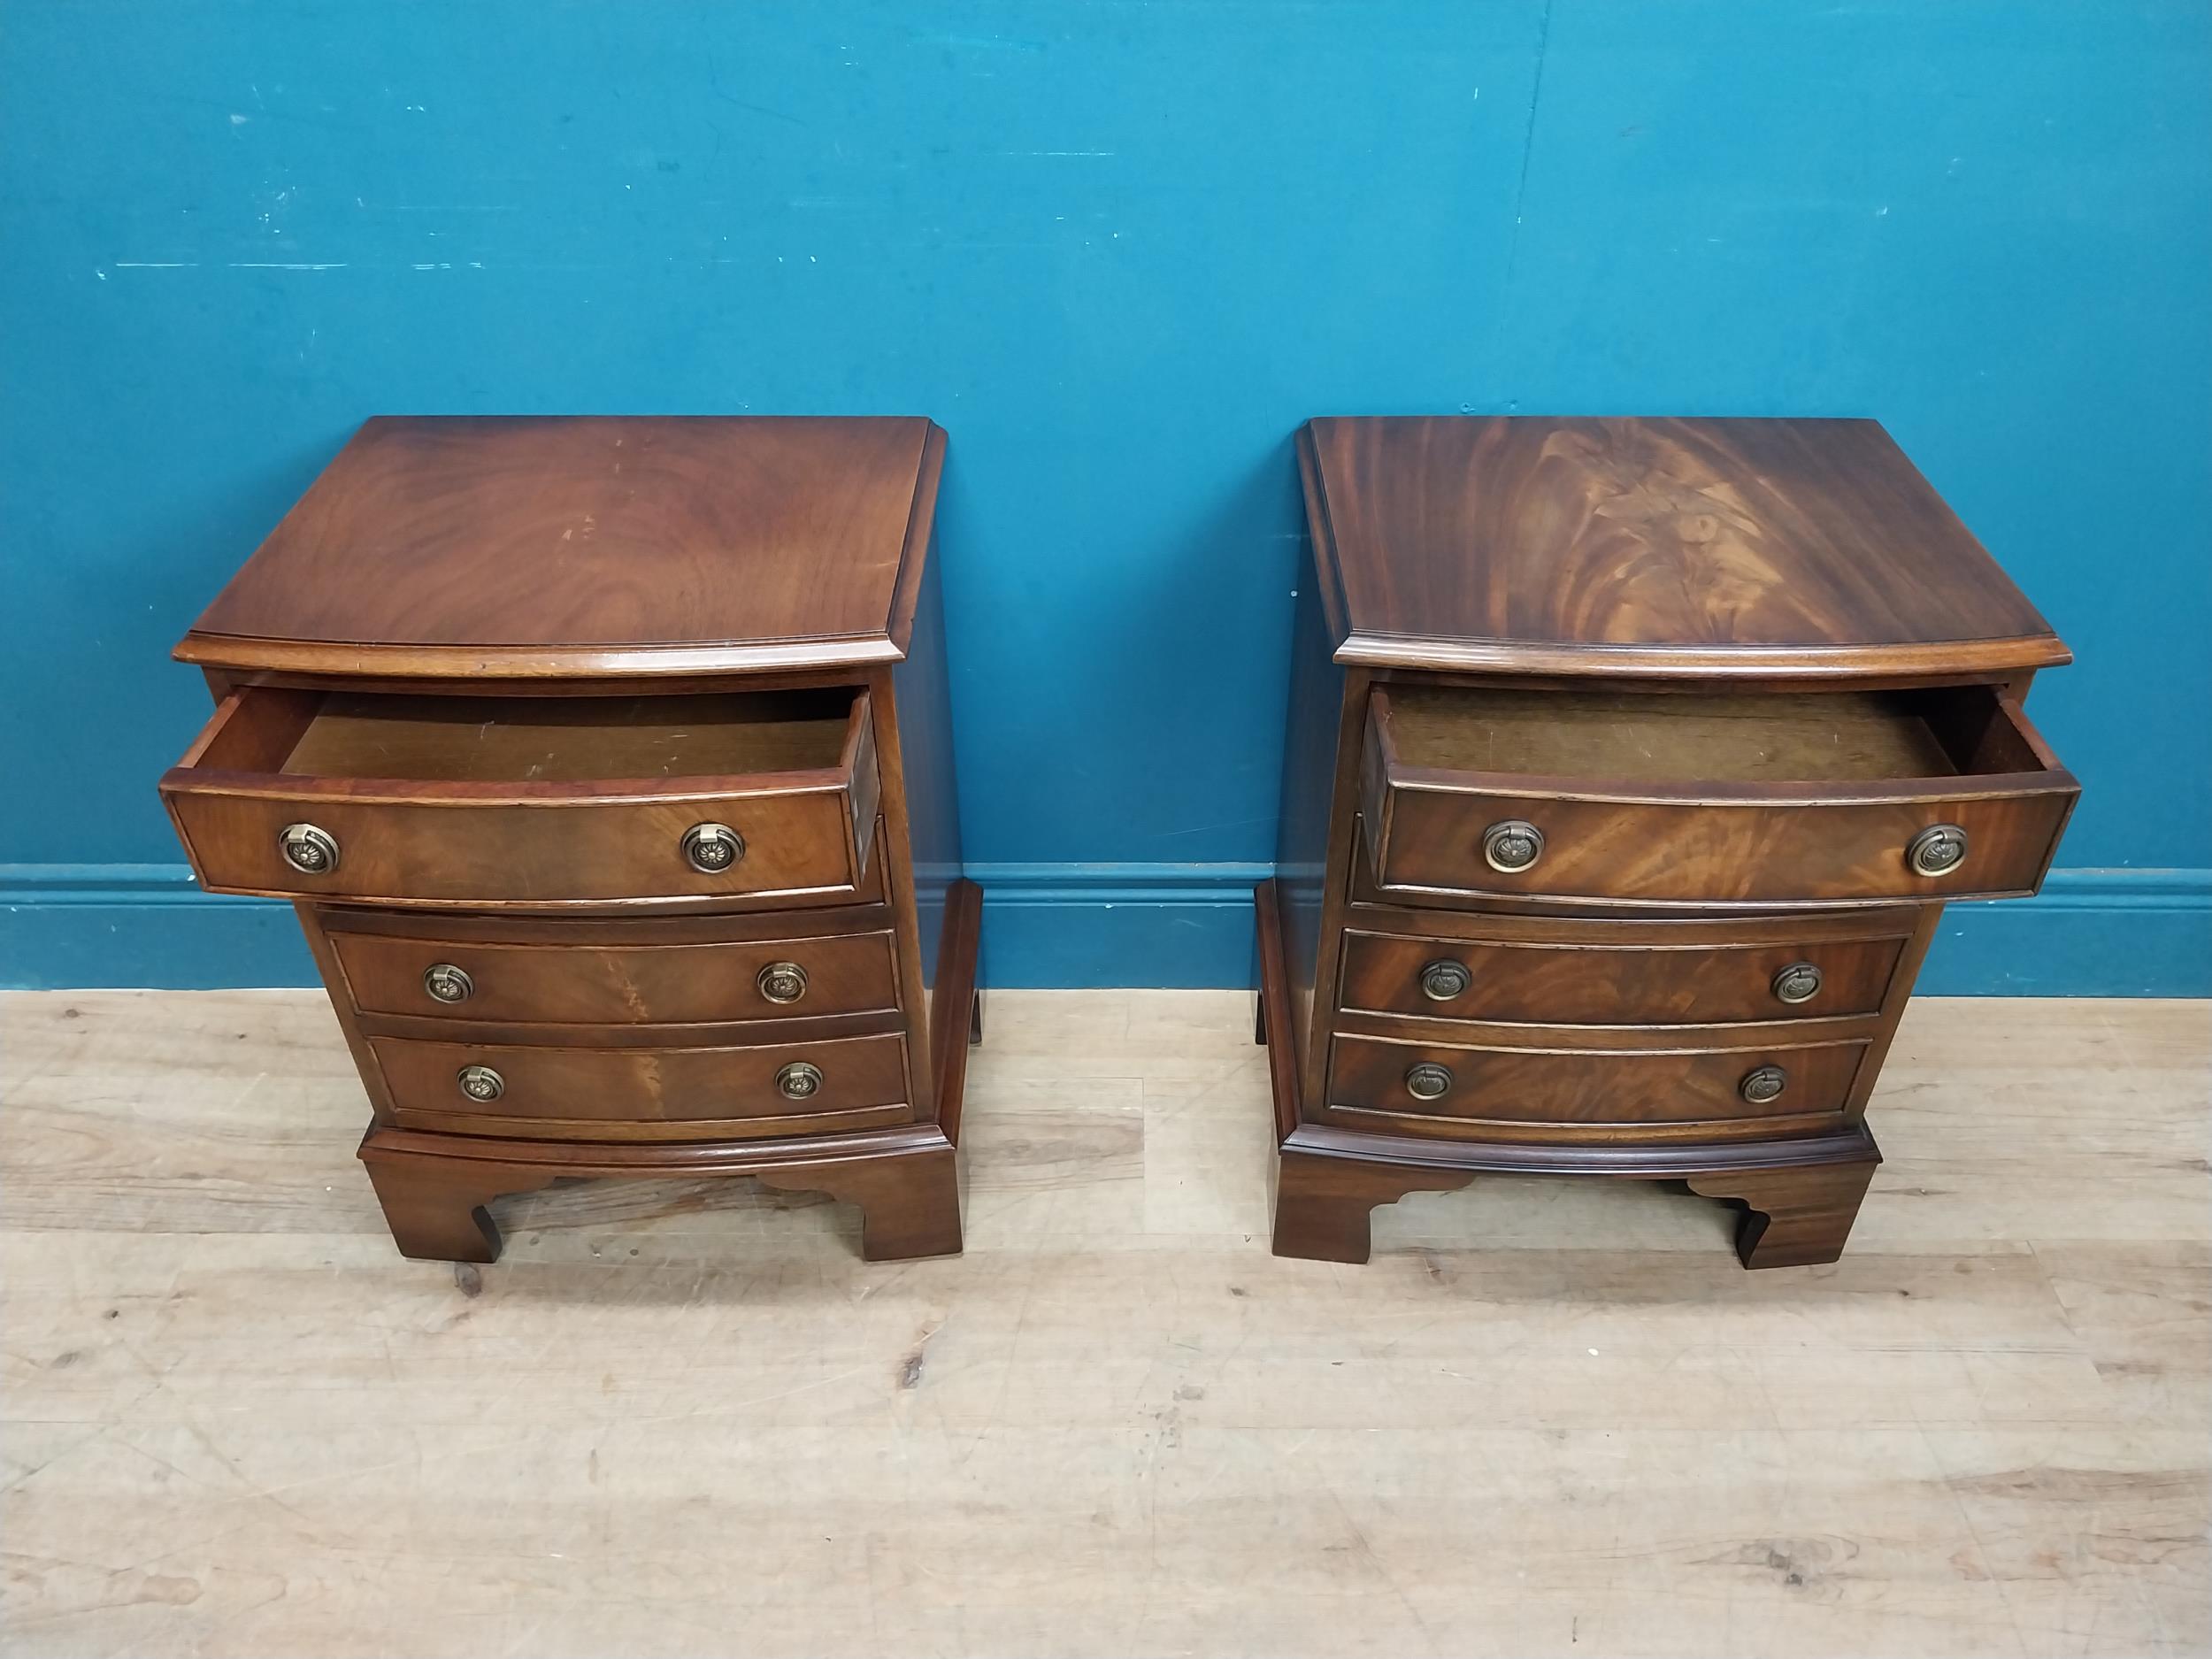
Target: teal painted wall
column 1120, row 250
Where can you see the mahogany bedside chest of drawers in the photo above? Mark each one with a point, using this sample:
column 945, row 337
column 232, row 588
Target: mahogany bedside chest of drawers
column 608, row 762
column 1630, row 764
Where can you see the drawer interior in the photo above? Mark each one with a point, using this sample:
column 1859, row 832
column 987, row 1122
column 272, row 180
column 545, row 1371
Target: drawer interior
column 535, row 740
column 1659, row 737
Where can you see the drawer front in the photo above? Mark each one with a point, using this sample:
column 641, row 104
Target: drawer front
column 1521, row 1089
column 275, row 799
column 403, row 852
column 1968, row 765
column 1603, row 985
column 644, row 1093
column 1803, row 853
column 674, row 984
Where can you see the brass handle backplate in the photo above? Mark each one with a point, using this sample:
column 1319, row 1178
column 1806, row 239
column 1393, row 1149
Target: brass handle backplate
column 310, row 850
column 1444, row 980
column 481, row 1083
column 782, row 982
column 1429, row 1080
column 711, row 848
column 447, row 983
column 1762, row 1084
column 1799, row 982
column 1512, row 846
column 1937, row 850
column 799, row 1081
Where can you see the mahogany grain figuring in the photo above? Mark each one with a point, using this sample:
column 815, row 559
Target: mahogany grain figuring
column 1654, row 547
column 1704, row 820
column 587, row 848
column 587, row 983
column 629, row 1088
column 1566, row 1088
column 1614, row 747
column 1604, row 983
column 562, row 545
column 1699, row 855
column 652, row 901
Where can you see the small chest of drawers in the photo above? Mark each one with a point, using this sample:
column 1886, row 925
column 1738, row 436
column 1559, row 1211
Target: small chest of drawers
column 1630, row 766
column 608, row 762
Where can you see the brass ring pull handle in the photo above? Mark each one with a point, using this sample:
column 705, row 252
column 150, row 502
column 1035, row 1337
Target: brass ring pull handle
column 308, row 849
column 782, row 982
column 1937, row 850
column 480, row 1082
column 1799, row 982
column 1512, row 846
column 711, row 848
column 1444, row 980
column 1429, row 1081
column 799, row 1081
column 1762, row 1084
column 447, row 983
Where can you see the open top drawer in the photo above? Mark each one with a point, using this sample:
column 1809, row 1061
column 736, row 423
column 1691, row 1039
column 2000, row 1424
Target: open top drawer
column 529, row 800
column 1695, row 798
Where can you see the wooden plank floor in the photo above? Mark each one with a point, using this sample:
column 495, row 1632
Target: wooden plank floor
column 1548, row 1419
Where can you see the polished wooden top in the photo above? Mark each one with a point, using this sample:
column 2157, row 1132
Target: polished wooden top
column 600, row 546
column 1651, row 547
